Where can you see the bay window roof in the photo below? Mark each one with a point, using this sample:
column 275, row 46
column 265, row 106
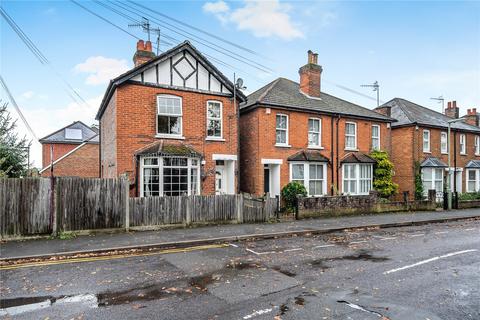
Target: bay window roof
column 432, row 162
column 308, row 155
column 473, row 164
column 357, row 157
column 160, row 149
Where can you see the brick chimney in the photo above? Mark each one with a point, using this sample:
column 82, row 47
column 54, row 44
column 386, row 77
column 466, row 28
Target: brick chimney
column 310, row 76
column 144, row 53
column 452, row 110
column 472, row 118
column 385, row 110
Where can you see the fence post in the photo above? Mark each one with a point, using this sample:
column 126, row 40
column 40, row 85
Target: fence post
column 124, row 183
column 53, row 206
column 297, row 200
column 188, row 216
column 239, row 208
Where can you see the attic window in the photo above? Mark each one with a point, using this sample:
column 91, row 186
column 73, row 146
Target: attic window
column 73, row 134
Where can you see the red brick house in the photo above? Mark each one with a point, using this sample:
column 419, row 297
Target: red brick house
column 420, row 139
column 171, row 125
column 73, row 150
column 295, row 132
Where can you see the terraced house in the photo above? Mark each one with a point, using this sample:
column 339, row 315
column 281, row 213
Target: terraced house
column 420, row 145
column 296, row 132
column 171, row 125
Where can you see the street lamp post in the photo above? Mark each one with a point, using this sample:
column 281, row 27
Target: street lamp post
column 449, row 191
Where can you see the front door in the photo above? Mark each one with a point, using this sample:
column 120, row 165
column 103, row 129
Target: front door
column 266, row 180
column 220, row 180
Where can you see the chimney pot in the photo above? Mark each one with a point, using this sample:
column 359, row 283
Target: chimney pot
column 454, row 104
column 474, row 111
column 449, row 106
column 148, row 46
column 144, row 53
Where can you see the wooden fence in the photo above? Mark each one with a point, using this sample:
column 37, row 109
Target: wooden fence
column 29, row 207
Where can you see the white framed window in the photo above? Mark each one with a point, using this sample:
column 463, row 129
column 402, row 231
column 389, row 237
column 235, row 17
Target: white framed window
column 214, row 119
column 357, row 178
column 169, row 116
column 426, row 140
column 313, row 175
column 432, row 178
column 463, row 144
column 443, row 142
column 477, row 145
column 350, row 135
column 473, row 180
column 281, row 130
column 314, row 133
column 375, row 137
column 169, row 176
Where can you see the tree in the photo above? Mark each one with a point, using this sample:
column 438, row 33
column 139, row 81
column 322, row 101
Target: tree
column 13, row 150
column 383, row 174
column 290, row 193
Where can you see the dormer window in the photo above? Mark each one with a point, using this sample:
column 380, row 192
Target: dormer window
column 73, row 134
column 169, row 116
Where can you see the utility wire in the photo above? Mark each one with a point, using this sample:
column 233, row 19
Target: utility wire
column 17, row 108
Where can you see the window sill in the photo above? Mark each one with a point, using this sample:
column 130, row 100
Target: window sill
column 214, row 139
column 463, row 154
column 446, row 153
column 283, row 145
column 315, row 147
column 351, row 149
column 426, row 151
column 169, row 136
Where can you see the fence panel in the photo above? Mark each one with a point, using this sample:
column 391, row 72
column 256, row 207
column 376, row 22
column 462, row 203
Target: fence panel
column 152, row 211
column 90, row 203
column 25, row 206
column 254, row 210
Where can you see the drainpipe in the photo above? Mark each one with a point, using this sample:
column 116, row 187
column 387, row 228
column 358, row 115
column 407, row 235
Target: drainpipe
column 337, row 164
column 454, row 163
column 332, row 191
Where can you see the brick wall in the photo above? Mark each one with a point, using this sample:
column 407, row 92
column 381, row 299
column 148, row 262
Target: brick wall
column 135, row 127
column 59, row 149
column 254, row 148
column 108, row 140
column 81, row 163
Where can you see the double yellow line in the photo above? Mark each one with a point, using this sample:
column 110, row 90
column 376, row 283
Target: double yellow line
column 109, row 257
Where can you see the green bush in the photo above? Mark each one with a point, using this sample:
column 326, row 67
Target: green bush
column 290, row 192
column 383, row 174
column 469, row 196
column 418, row 183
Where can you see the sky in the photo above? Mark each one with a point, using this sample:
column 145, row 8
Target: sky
column 415, row 50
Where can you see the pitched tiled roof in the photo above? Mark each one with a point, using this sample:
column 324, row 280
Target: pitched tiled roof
column 89, row 135
column 473, row 164
column 407, row 113
column 357, row 157
column 159, row 148
column 432, row 162
column 286, row 93
column 308, row 155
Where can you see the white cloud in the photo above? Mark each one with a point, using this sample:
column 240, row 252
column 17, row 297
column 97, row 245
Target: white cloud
column 28, row 95
column 101, row 69
column 262, row 18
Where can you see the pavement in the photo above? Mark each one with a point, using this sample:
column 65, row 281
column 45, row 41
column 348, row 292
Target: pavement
column 220, row 233
column 427, row 271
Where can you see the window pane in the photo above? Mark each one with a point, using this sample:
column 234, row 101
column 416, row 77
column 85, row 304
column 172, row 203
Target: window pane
column 214, row 128
column 281, row 136
column 313, row 139
column 471, row 175
column 163, row 124
column 427, row 174
column 281, row 122
column 297, row 171
column 350, row 128
column 213, row 110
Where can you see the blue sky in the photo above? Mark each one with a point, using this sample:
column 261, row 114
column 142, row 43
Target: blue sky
column 416, row 50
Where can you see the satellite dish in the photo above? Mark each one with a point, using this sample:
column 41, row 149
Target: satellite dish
column 239, row 83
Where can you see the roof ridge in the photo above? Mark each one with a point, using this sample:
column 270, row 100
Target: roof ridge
column 357, row 105
column 403, row 107
column 272, row 84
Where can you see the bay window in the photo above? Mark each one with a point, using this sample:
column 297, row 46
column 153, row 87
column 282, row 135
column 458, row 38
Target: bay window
column 443, row 142
column 281, row 132
column 350, row 135
column 375, row 137
column 463, row 144
column 169, row 176
column 357, row 178
column 214, row 119
column 314, row 133
column 169, row 115
column 473, row 180
column 432, row 178
column 312, row 175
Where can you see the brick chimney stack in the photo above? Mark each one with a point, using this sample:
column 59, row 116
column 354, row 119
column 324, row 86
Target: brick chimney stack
column 310, row 76
column 452, row 110
column 144, row 53
column 472, row 117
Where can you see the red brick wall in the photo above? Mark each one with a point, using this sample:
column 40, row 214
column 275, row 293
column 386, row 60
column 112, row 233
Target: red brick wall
column 59, row 149
column 81, row 163
column 135, row 116
column 408, row 148
column 108, row 139
column 263, row 146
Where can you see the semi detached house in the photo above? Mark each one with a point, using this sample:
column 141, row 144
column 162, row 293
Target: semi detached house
column 295, row 132
column 171, row 125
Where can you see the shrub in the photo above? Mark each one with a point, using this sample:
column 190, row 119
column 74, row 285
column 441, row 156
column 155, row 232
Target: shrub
column 383, row 174
column 469, row 196
column 418, row 183
column 290, row 192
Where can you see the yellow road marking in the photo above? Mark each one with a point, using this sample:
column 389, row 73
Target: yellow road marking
column 112, row 257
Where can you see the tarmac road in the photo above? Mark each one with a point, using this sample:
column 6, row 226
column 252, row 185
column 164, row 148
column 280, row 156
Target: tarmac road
column 424, row 272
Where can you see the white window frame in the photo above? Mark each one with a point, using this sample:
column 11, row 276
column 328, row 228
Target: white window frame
column 281, row 144
column 160, row 167
column 476, row 181
column 477, row 145
column 427, row 141
column 463, row 144
column 168, row 135
column 357, row 179
column 306, row 176
column 215, row 119
column 354, row 135
column 319, row 132
column 433, row 180
column 443, row 142
column 376, row 138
